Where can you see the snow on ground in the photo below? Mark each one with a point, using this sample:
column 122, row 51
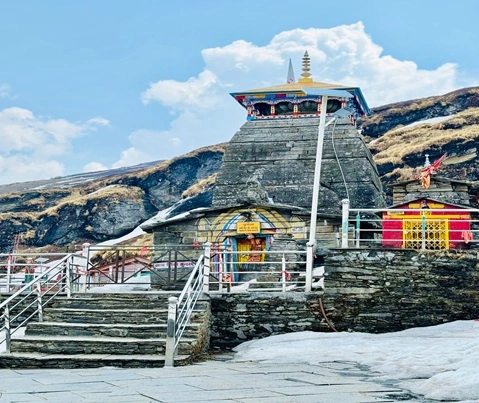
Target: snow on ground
column 437, row 119
column 429, row 121
column 137, row 283
column 439, row 362
column 133, row 234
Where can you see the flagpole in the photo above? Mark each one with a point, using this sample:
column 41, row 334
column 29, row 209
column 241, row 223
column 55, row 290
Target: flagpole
column 314, row 204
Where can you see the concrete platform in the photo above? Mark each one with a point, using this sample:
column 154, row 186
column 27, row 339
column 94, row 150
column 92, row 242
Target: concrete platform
column 217, row 380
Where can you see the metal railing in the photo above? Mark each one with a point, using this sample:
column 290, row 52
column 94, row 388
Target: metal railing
column 180, row 310
column 416, row 228
column 229, row 271
column 168, row 265
column 50, row 278
column 221, row 270
column 264, row 270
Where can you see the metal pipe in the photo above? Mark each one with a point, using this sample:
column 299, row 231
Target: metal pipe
column 171, row 332
column 345, row 225
column 314, row 203
column 8, row 334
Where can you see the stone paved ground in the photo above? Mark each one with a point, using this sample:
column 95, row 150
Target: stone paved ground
column 212, row 381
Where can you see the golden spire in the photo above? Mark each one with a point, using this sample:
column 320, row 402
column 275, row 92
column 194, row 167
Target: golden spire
column 306, row 75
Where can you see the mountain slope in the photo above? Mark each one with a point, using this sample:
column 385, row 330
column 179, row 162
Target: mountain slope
column 99, row 206
column 400, row 135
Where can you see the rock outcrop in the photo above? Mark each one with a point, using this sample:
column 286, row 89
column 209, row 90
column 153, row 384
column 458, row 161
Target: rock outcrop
column 62, row 212
column 400, row 135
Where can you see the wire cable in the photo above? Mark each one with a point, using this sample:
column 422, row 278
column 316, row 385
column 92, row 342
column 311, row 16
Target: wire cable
column 337, row 159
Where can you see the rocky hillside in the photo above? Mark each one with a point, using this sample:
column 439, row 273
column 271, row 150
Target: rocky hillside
column 400, row 135
column 100, row 206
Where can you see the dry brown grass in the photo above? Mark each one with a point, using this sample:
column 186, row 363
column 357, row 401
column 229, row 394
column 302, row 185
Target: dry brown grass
column 18, row 218
column 396, row 144
column 402, row 174
column 403, row 108
column 112, row 193
column 199, row 186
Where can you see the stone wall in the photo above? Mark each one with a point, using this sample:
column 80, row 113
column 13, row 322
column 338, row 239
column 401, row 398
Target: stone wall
column 389, row 290
column 241, row 317
column 442, row 189
column 365, row 291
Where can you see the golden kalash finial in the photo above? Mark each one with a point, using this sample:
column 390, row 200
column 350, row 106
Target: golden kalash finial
column 306, row 75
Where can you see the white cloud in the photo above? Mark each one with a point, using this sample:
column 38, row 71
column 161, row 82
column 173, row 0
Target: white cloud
column 94, row 167
column 131, row 156
column 21, row 168
column 31, row 146
column 147, row 145
column 93, row 123
column 204, row 113
column 196, row 92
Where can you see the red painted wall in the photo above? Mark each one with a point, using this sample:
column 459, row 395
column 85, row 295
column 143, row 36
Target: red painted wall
column 393, row 227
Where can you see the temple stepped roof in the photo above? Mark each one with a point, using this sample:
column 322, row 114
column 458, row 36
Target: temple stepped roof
column 294, row 87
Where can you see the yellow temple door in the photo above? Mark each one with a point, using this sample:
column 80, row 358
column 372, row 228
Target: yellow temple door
column 434, row 232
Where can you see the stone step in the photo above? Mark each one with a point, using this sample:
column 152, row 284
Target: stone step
column 132, row 316
column 143, row 331
column 116, row 302
column 95, row 345
column 34, row 360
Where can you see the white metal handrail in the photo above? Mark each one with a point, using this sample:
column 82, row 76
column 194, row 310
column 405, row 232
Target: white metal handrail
column 18, row 309
column 180, row 310
column 368, row 228
column 188, row 298
column 277, row 270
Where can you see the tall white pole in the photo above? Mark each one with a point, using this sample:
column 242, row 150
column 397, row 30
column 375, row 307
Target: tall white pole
column 314, row 204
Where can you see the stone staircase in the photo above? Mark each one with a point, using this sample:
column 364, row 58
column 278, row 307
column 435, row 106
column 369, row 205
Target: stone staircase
column 94, row 330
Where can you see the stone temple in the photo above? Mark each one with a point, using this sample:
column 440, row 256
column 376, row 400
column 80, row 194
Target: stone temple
column 265, row 185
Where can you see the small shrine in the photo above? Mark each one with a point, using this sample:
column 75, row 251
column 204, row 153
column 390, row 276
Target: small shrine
column 427, row 224
column 429, row 212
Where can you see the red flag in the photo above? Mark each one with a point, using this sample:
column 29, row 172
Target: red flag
column 435, row 166
column 425, row 175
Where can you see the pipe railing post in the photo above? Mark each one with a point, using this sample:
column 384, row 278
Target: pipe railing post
column 68, row 276
column 206, row 267
column 39, row 301
column 345, row 223
column 83, row 267
column 171, row 332
column 8, row 334
column 423, row 232
column 283, row 272
column 358, row 229
column 9, row 273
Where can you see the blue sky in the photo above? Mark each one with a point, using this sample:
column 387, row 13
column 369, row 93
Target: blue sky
column 99, row 84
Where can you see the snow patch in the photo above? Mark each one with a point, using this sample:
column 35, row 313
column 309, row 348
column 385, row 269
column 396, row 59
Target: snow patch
column 439, row 362
column 421, row 122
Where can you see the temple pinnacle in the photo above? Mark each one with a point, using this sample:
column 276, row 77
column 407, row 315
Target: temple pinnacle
column 306, row 75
